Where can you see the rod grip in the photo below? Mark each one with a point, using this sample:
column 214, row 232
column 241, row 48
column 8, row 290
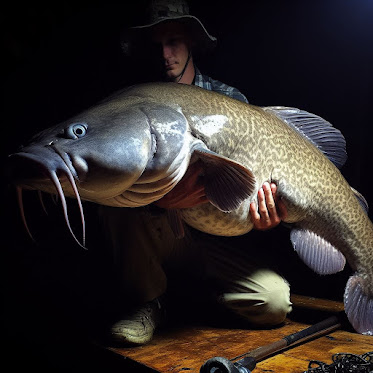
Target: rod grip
column 312, row 330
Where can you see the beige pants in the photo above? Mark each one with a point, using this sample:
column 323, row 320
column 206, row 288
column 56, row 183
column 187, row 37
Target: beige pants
column 144, row 245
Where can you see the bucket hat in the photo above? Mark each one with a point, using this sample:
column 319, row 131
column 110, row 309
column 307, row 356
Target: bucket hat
column 161, row 11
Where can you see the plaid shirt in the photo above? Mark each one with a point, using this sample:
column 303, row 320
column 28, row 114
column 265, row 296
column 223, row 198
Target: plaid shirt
column 206, row 82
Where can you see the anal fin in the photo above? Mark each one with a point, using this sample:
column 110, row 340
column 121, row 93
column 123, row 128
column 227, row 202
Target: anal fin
column 316, row 252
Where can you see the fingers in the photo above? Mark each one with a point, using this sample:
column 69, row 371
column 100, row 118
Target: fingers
column 270, row 209
column 269, row 202
column 282, row 211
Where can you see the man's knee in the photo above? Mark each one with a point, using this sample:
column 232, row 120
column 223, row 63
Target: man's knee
column 263, row 298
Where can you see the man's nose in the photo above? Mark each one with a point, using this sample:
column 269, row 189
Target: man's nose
column 166, row 51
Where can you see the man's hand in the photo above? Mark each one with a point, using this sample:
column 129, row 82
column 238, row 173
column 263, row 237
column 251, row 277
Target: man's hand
column 271, row 209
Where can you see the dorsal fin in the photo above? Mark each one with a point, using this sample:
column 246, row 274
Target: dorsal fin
column 316, row 130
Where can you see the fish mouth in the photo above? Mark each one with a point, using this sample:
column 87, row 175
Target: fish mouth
column 47, row 170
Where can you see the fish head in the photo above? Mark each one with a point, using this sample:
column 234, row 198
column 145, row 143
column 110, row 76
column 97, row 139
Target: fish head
column 124, row 152
column 103, row 150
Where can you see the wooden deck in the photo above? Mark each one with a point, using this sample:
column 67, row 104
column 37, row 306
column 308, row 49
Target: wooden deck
column 186, row 348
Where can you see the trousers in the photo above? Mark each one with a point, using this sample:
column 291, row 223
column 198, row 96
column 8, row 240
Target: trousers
column 145, row 249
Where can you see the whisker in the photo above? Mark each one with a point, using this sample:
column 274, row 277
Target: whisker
column 22, row 211
column 61, row 194
column 40, row 194
column 54, row 198
column 76, row 192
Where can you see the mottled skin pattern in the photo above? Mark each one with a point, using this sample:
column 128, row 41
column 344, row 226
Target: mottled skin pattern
column 138, row 147
column 316, row 194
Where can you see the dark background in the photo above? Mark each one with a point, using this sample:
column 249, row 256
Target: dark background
column 60, row 59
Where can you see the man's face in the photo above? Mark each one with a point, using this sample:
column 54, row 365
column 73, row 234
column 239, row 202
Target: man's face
column 172, row 42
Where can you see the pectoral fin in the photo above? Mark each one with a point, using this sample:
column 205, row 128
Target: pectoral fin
column 316, row 252
column 211, row 178
column 188, row 192
column 227, row 183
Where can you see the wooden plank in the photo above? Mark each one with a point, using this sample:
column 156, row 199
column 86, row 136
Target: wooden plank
column 186, row 348
column 317, row 304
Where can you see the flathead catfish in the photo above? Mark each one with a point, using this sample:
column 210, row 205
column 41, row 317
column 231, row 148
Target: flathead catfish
column 206, row 155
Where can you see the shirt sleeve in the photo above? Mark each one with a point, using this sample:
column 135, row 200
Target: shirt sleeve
column 210, row 84
column 234, row 93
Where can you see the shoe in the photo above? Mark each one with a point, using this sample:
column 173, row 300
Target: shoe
column 137, row 328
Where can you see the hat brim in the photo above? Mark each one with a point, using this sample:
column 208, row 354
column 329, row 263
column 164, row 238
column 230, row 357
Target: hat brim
column 204, row 42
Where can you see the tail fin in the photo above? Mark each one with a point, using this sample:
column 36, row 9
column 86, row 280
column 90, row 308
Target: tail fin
column 359, row 305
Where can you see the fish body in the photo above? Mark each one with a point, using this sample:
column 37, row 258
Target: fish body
column 163, row 143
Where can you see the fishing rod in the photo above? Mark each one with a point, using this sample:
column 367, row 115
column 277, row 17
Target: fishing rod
column 246, row 362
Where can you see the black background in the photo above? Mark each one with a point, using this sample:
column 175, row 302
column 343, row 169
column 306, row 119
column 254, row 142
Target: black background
column 60, row 59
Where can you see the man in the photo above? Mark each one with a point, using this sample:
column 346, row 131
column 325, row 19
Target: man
column 142, row 239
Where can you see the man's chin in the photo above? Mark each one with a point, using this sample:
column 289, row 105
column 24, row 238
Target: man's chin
column 172, row 76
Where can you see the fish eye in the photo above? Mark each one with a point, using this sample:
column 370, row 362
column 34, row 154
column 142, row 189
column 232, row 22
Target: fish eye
column 76, row 131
